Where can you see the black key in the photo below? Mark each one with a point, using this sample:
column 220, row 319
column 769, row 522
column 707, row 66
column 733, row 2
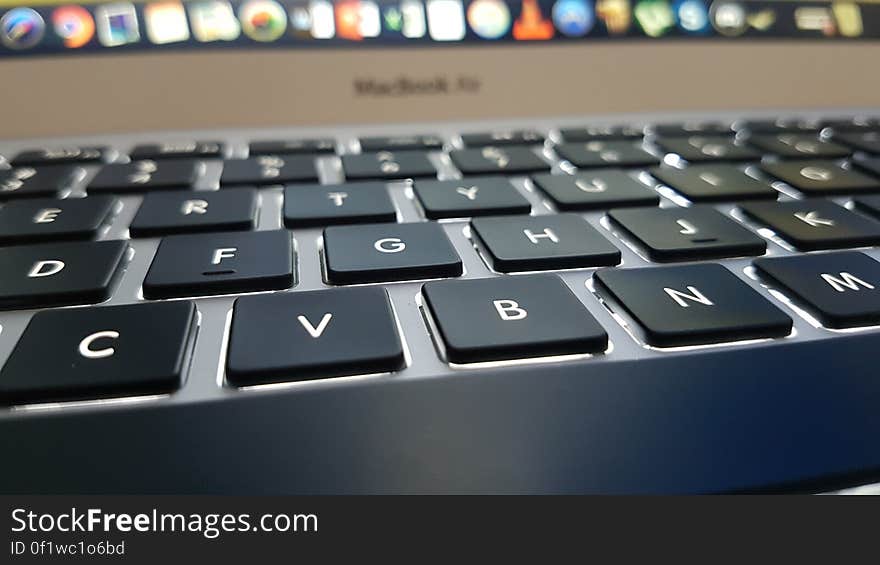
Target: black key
column 188, row 211
column 815, row 224
column 498, row 160
column 471, row 196
column 46, row 219
column 703, row 148
column 868, row 142
column 293, row 147
column 870, row 166
column 598, row 189
column 501, row 138
column 821, row 177
column 851, row 124
column 269, row 169
column 387, row 165
column 780, row 126
column 59, row 273
column 400, row 143
column 840, row 289
column 146, row 175
column 78, row 353
column 692, row 305
column 296, row 336
column 595, row 154
column 689, row 129
column 869, row 205
column 511, row 318
column 62, row 155
column 601, row 133
column 684, row 234
column 794, row 146
column 389, row 252
column 217, row 263
column 326, row 205
column 536, row 243
column 178, row 150
column 713, row 183
column 27, row 182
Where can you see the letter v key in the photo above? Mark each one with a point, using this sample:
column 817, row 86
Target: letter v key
column 313, row 331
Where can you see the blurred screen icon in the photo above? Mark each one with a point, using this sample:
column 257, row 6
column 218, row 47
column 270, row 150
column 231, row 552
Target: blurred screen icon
column 445, row 20
column 848, row 16
column 531, row 24
column 815, row 18
column 21, row 28
column 262, row 20
column 573, row 18
column 414, row 25
column 655, row 17
column 615, row 14
column 369, row 19
column 74, row 25
column 323, row 23
column 490, row 19
column 692, row 16
column 117, row 25
column 348, row 20
column 761, row 20
column 300, row 21
column 166, row 22
column 392, row 19
column 728, row 18
column 213, row 21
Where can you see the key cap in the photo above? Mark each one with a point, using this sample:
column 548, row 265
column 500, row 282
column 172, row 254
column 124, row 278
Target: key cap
column 498, row 160
column 269, row 170
column 218, row 263
column 814, row 224
column 146, row 175
column 511, row 318
column 839, row 288
column 293, row 147
column 869, row 142
column 312, row 335
column 325, row 205
column 178, row 150
column 188, row 211
column 78, row 353
column 820, row 177
column 780, row 126
column 598, row 189
column 389, row 252
column 868, row 204
column 686, row 234
column 692, row 305
column 28, row 182
column 63, row 155
column 502, row 138
column 536, row 243
column 594, row 154
column 870, row 166
column 471, row 196
column 689, row 129
column 706, row 148
column 400, row 143
column 714, row 183
column 794, row 146
column 601, row 133
column 387, row 165
column 54, row 274
column 851, row 125
column 46, row 219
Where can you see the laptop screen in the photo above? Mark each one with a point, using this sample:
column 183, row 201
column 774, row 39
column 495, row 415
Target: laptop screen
column 48, row 27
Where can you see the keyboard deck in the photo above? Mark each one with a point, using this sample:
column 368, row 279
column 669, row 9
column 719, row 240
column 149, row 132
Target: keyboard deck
column 435, row 249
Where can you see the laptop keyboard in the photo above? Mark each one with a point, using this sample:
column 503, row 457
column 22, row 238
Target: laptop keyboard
column 413, row 253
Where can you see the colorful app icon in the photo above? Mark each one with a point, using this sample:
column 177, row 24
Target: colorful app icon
column 849, row 18
column 21, row 28
column 655, row 17
column 531, row 24
column 262, row 20
column 117, row 24
column 166, row 22
column 615, row 14
column 446, row 20
column 370, row 19
column 815, row 18
column 74, row 25
column 323, row 23
column 348, row 20
column 692, row 16
column 392, row 19
column 573, row 18
column 728, row 18
column 762, row 20
column 490, row 19
column 300, row 21
column 213, row 21
column 414, row 24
